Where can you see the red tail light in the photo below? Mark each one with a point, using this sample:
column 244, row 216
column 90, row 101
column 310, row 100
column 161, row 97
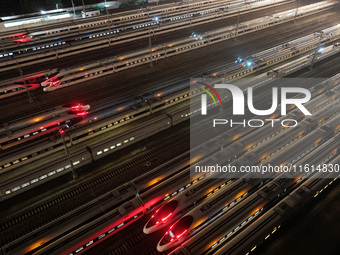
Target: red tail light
column 76, row 107
column 82, row 113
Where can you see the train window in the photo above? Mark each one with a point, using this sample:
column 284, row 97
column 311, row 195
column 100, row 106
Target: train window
column 15, row 189
column 112, row 147
column 35, row 180
column 43, row 177
column 25, row 184
column 79, row 249
column 51, row 173
column 119, row 144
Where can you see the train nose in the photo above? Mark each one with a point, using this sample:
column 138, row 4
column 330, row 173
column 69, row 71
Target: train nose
column 86, row 107
column 147, row 230
column 155, row 223
column 161, row 246
column 161, row 217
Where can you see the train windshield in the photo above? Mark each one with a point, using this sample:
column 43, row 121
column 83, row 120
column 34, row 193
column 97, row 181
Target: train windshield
column 178, row 230
column 163, row 214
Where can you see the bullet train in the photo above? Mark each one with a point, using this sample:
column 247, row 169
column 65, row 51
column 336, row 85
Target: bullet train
column 237, row 218
column 21, row 130
column 13, row 36
column 184, row 202
column 16, row 86
column 214, row 207
column 12, row 90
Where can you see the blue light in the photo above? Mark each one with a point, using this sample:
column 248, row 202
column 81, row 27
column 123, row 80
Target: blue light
column 238, row 60
column 249, row 63
column 320, row 50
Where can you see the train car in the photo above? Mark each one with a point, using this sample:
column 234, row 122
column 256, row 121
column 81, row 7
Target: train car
column 13, row 36
column 15, row 89
column 19, row 131
column 151, row 127
column 262, row 229
column 64, row 15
